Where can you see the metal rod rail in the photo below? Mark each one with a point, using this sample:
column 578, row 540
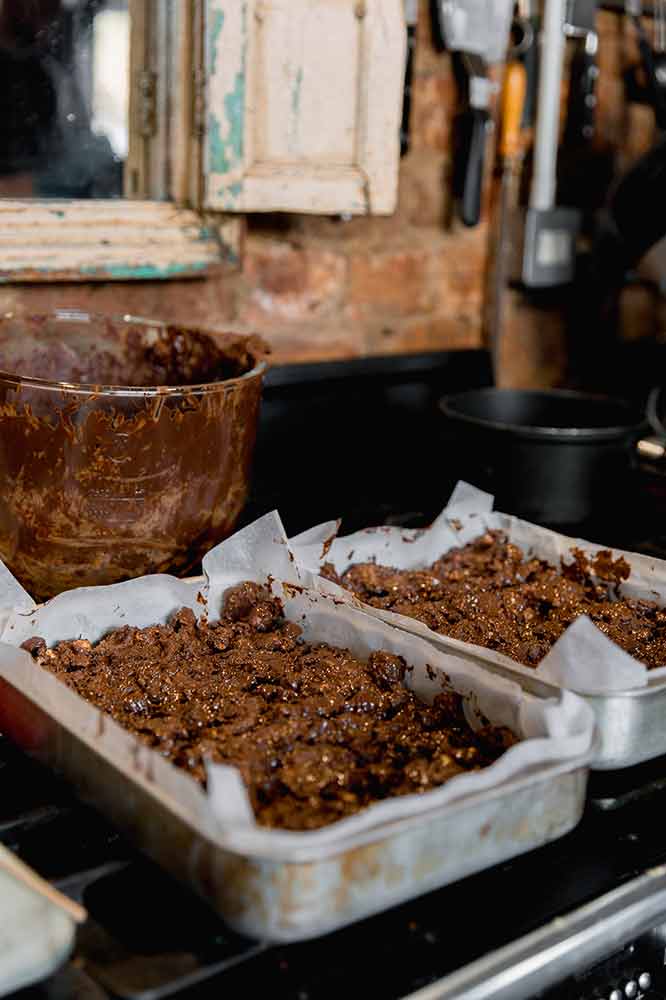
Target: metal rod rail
column 559, row 949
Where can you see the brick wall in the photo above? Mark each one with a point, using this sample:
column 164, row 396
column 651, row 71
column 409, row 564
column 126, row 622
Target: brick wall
column 322, row 288
column 326, row 288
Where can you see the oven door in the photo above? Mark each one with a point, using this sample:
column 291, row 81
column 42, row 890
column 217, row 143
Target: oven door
column 613, row 948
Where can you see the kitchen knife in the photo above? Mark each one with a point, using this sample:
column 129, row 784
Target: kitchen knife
column 585, row 169
column 583, row 74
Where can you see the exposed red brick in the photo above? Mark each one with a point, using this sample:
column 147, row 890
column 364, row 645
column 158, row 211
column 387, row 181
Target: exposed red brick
column 315, row 343
column 433, row 105
column 641, row 132
column 426, row 57
column 396, row 280
column 424, row 194
column 457, row 274
column 198, row 301
column 532, row 352
column 638, row 312
column 322, row 288
column 287, row 282
column 423, row 334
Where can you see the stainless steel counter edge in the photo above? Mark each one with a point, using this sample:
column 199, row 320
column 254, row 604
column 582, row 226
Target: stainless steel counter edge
column 567, row 945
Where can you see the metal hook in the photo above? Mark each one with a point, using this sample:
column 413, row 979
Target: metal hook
column 523, row 28
column 660, row 26
column 652, row 412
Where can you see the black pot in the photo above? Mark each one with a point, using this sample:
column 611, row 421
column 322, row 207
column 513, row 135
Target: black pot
column 557, row 457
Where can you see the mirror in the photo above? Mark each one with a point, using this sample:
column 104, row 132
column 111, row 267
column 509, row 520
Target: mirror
column 64, row 98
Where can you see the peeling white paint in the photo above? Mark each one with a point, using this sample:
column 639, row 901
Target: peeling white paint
column 304, row 102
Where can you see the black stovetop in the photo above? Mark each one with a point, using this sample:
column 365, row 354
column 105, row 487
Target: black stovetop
column 148, row 937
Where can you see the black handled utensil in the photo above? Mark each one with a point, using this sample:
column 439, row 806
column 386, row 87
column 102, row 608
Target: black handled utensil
column 478, row 32
column 585, row 168
column 411, row 20
column 581, row 112
column 472, row 127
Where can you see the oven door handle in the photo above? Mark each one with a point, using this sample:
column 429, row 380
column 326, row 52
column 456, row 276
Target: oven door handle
column 561, row 948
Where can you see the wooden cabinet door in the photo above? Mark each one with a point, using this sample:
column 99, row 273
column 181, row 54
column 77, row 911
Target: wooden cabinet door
column 303, row 105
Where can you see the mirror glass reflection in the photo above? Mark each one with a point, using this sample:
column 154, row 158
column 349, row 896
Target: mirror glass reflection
column 64, row 96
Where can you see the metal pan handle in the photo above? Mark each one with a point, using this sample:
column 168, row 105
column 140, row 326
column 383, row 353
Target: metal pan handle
column 653, row 448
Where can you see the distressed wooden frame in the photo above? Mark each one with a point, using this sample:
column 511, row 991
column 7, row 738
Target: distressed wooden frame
column 134, row 238
column 105, row 240
column 236, row 178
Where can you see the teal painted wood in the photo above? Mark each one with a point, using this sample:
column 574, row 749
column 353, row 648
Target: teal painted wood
column 113, row 240
column 303, row 105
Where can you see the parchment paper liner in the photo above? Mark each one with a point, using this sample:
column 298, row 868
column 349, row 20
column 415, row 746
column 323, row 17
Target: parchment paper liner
column 583, row 659
column 554, row 732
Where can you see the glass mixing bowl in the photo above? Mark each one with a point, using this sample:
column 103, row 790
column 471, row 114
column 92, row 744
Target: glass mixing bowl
column 125, row 445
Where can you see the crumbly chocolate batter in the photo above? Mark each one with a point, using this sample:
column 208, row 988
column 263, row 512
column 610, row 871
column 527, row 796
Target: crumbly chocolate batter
column 316, row 733
column 489, row 593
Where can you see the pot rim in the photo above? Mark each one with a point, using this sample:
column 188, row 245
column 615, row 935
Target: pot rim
column 100, row 389
column 554, row 435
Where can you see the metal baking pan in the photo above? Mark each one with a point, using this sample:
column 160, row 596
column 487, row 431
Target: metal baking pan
column 295, row 900
column 300, row 893
column 631, row 721
column 291, row 885
column 631, row 725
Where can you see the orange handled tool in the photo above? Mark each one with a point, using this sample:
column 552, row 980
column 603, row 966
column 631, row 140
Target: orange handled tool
column 510, row 150
column 514, row 89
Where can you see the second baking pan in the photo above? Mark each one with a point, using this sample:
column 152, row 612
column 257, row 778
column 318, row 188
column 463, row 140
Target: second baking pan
column 628, row 700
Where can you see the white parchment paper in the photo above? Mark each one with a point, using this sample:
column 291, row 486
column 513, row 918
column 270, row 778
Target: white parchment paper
column 582, row 660
column 553, row 731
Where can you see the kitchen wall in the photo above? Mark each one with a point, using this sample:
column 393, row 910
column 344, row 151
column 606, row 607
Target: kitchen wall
column 628, row 130
column 327, row 288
